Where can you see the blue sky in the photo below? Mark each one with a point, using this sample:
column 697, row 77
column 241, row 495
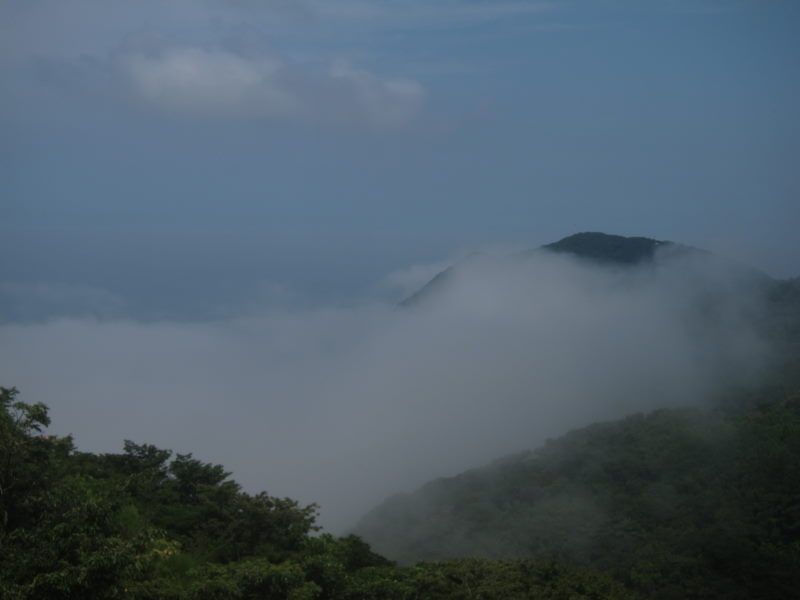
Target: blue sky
column 188, row 159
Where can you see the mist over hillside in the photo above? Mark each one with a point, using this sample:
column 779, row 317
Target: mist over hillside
column 698, row 501
column 345, row 406
column 322, row 243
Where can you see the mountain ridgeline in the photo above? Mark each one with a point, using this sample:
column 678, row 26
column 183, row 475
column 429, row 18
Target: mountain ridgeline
column 605, row 250
column 694, row 502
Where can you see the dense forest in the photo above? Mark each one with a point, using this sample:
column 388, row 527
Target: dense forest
column 695, row 502
column 145, row 524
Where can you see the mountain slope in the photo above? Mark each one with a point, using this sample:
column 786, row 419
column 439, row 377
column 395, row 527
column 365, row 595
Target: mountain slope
column 677, row 504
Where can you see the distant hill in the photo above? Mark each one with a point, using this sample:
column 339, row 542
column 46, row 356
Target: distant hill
column 603, row 249
column 611, row 248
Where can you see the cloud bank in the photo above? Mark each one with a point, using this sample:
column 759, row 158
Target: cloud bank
column 211, row 60
column 344, row 407
column 223, row 82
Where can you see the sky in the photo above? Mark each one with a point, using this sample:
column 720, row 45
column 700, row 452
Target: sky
column 149, row 148
column 174, row 172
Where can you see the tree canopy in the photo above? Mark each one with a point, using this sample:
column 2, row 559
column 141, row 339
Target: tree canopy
column 150, row 524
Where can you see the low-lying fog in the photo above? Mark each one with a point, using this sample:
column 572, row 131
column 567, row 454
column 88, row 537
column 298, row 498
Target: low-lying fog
column 345, row 406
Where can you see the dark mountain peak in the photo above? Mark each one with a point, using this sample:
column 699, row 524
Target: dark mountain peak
column 591, row 245
column 613, row 250
column 603, row 247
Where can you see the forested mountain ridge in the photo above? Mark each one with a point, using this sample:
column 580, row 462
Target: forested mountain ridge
column 676, row 503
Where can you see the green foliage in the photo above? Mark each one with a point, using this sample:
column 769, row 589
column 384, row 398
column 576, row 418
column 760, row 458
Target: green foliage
column 149, row 526
column 513, row 580
column 135, row 524
column 22, row 455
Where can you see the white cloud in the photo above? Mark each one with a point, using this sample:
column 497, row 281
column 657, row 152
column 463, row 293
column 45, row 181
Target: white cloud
column 210, row 82
column 199, row 66
column 384, row 101
column 223, row 82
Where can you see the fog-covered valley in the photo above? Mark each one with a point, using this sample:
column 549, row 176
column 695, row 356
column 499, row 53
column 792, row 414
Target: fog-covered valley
column 345, row 406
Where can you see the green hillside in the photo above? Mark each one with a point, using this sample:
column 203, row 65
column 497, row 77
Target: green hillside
column 676, row 504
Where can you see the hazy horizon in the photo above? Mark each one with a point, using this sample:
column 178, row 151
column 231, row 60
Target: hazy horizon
column 345, row 406
column 210, row 208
